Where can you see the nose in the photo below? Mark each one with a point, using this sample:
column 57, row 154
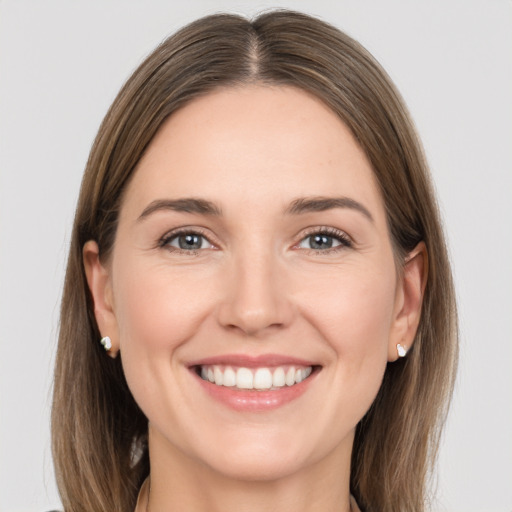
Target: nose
column 254, row 299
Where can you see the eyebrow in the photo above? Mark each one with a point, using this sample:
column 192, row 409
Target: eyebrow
column 187, row 205
column 320, row 204
column 296, row 207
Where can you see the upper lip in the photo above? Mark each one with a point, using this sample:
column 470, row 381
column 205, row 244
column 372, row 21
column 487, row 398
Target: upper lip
column 248, row 361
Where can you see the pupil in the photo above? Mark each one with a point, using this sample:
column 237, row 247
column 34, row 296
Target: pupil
column 320, row 242
column 190, row 242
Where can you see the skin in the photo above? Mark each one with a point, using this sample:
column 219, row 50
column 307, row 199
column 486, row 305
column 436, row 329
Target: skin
column 255, row 287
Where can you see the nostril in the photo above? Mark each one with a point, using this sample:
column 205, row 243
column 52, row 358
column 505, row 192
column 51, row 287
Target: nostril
column 253, row 308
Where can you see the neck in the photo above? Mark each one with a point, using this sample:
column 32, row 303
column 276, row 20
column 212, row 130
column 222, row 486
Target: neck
column 180, row 482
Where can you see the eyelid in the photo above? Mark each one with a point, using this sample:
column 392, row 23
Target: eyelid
column 345, row 240
column 163, row 242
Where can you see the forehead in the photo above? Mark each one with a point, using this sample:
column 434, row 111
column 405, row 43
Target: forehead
column 253, row 144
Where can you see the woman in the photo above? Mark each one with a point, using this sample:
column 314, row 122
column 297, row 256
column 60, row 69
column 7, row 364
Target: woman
column 257, row 247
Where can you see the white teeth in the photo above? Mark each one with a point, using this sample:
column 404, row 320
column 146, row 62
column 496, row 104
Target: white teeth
column 290, row 376
column 229, row 377
column 218, row 375
column 278, row 380
column 244, row 378
column 302, row 374
column 260, row 378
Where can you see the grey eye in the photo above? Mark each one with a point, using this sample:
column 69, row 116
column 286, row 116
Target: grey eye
column 189, row 242
column 319, row 241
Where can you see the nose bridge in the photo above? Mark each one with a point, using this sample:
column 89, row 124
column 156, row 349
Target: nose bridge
column 255, row 297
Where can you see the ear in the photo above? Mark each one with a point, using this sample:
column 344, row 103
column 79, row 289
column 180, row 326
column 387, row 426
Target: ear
column 408, row 300
column 100, row 286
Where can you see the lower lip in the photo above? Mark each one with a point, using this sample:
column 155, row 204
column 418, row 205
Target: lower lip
column 252, row 400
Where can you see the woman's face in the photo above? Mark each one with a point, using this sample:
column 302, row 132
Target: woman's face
column 252, row 249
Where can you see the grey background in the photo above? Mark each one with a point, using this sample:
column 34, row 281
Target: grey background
column 61, row 64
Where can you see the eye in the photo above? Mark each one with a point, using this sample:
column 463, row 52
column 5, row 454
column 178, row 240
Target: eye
column 325, row 240
column 187, row 241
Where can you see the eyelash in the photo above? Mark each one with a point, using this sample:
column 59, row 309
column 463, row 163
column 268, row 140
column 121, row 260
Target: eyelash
column 344, row 240
column 330, row 232
column 164, row 242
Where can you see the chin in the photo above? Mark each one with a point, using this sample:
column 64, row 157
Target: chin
column 263, row 455
column 258, row 467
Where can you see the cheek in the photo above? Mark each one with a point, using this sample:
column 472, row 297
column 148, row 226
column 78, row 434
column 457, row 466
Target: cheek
column 352, row 306
column 354, row 317
column 158, row 309
column 366, row 310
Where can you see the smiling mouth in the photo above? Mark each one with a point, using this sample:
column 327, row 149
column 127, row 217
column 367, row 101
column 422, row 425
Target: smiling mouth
column 257, row 379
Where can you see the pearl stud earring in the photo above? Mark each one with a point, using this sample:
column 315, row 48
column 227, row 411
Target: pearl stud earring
column 106, row 342
column 401, row 349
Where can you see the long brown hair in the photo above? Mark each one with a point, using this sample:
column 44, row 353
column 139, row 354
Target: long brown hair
column 99, row 433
